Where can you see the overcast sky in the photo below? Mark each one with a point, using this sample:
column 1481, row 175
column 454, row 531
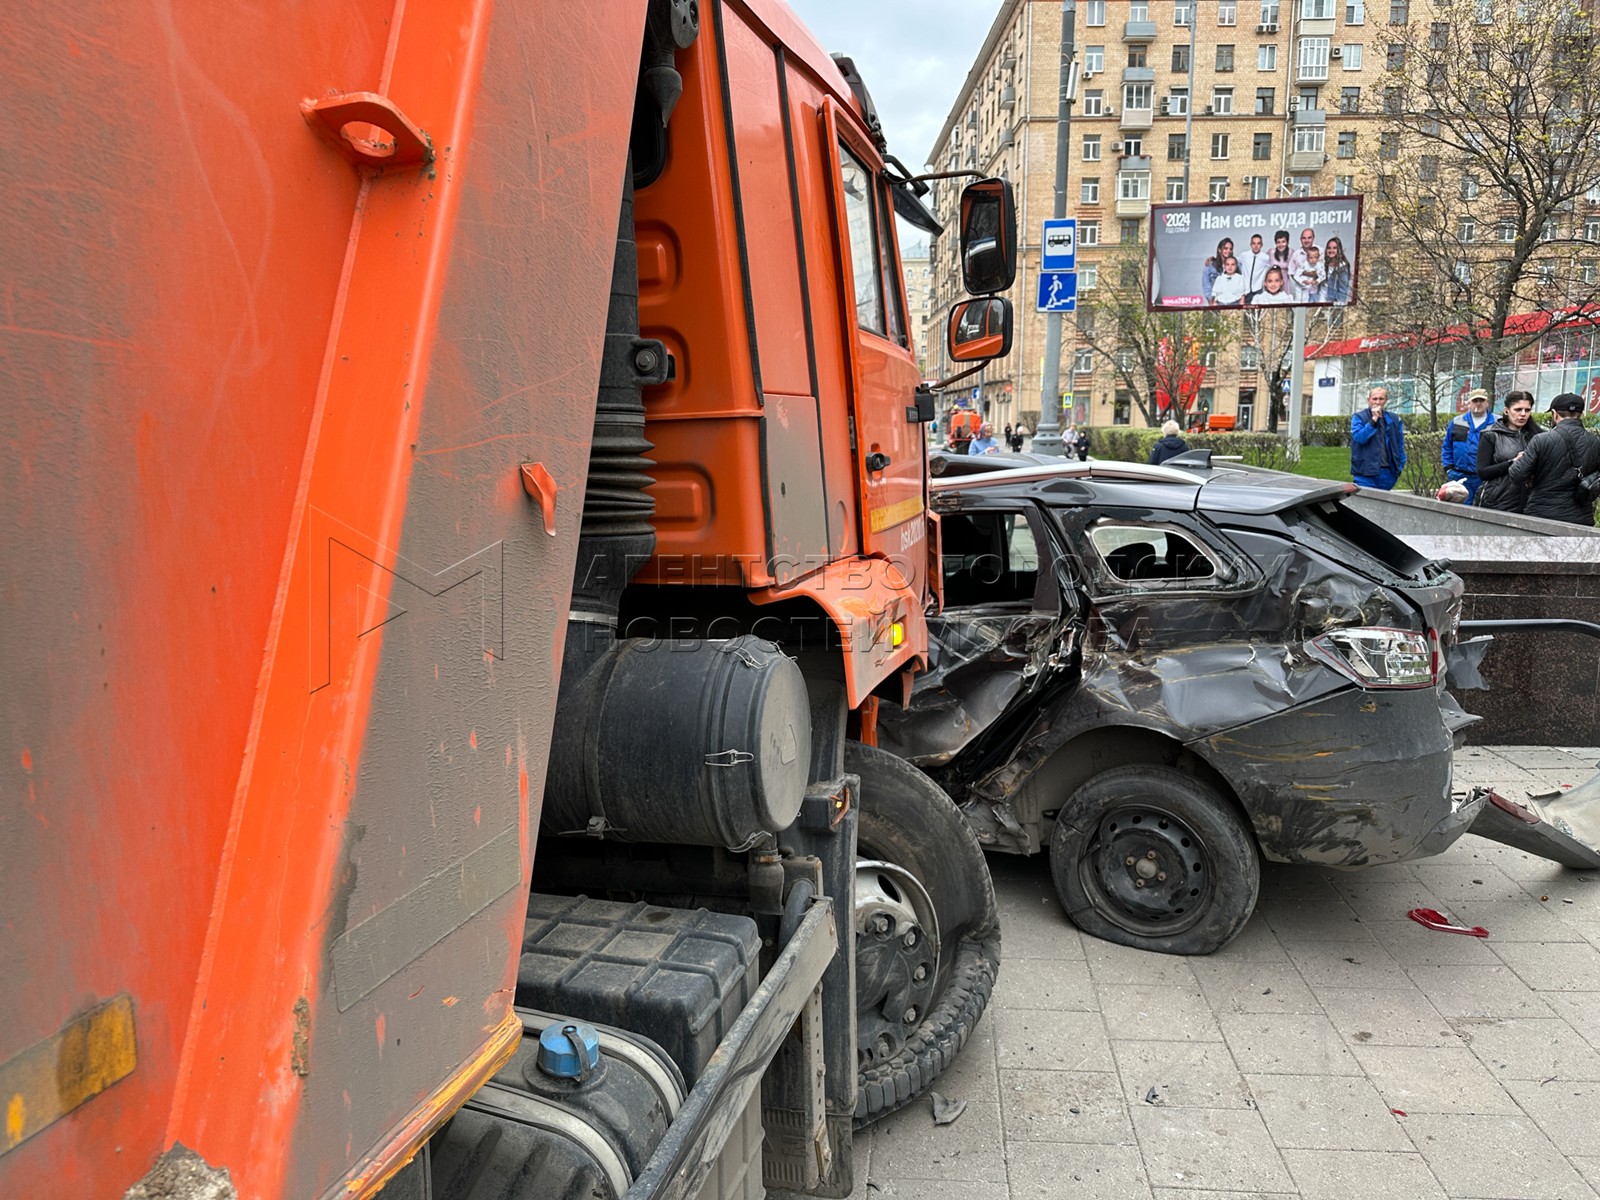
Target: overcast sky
column 913, row 55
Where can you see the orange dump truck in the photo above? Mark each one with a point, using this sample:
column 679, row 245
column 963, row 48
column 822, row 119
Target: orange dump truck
column 449, row 446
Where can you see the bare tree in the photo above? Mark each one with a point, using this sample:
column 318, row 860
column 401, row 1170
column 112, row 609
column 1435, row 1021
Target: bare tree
column 1156, row 357
column 1488, row 160
column 1424, row 320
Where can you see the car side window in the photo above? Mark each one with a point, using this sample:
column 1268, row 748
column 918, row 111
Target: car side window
column 988, row 558
column 1151, row 554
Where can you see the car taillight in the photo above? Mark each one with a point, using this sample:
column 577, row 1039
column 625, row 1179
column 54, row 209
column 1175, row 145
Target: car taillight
column 1380, row 658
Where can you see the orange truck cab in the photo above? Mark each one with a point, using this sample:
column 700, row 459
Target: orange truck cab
column 464, row 485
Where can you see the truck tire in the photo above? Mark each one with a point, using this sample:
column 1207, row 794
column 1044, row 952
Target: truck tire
column 1153, row 858
column 927, row 931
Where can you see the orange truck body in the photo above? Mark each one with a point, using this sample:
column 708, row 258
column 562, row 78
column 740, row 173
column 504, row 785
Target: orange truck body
column 300, row 339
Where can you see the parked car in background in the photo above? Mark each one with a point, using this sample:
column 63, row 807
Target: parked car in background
column 1166, row 674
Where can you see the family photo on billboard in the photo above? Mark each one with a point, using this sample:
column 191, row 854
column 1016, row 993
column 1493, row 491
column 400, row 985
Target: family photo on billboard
column 1254, row 253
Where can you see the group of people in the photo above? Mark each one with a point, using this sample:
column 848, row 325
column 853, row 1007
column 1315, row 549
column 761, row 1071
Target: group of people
column 1304, row 275
column 1506, row 463
column 985, row 442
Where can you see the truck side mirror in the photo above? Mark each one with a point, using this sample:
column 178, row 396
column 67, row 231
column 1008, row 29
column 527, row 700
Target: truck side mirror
column 988, row 236
column 980, row 329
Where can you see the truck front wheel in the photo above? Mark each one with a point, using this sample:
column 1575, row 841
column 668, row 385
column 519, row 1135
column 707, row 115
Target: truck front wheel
column 927, row 931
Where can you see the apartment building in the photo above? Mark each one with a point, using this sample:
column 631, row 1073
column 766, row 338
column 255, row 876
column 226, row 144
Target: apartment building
column 1258, row 98
column 919, row 301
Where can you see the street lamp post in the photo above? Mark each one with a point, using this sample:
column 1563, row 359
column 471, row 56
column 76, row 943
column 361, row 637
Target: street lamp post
column 1047, row 437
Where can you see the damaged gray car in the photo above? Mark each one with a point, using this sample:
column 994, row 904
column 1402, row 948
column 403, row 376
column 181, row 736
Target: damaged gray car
column 1166, row 674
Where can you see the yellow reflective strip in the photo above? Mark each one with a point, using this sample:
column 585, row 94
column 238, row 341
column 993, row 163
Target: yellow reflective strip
column 894, row 514
column 51, row 1078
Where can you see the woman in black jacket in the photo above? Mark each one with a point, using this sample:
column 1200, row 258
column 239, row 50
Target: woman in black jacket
column 1498, row 448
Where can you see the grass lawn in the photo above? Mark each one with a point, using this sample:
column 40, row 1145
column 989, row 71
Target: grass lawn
column 1323, row 462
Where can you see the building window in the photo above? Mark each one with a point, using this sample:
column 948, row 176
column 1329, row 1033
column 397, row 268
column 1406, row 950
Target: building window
column 1261, row 147
column 1091, row 147
column 1177, row 147
column 1094, row 12
column 1462, row 270
column 1227, row 12
column 1396, row 60
column 1122, row 408
column 1355, row 12
column 1138, row 10
column 1136, row 96
column 1351, row 58
column 1088, row 276
column 1394, row 101
column 1593, row 194
column 1225, row 58
column 1180, row 59
column 1347, row 144
column 1133, row 147
column 1469, row 187
column 1089, row 231
column 1507, row 230
column 1383, row 229
column 1269, row 14
column 1308, row 139
column 1312, row 61
column 1439, row 35
column 1466, row 230
column 1137, row 56
column 1182, row 12
column 1089, row 191
column 1381, row 274
column 1219, row 145
column 1350, row 100
column 1094, row 102
column 1133, row 185
column 1316, row 10
column 1131, row 229
column 1428, row 168
column 1388, row 144
column 1094, row 59
column 1257, row 186
column 1265, row 99
column 1267, row 57
column 1247, row 408
column 1550, row 230
column 1344, row 185
column 1219, row 189
column 1175, row 193
column 1083, row 362
column 1399, row 11
column 1591, row 229
column 1222, row 101
column 1178, row 102
column 1300, row 186
column 1587, row 272
column 1383, row 182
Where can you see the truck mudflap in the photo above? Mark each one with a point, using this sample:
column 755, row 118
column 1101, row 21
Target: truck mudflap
column 1561, row 826
column 790, row 992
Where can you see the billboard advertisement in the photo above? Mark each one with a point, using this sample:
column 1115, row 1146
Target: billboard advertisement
column 1255, row 253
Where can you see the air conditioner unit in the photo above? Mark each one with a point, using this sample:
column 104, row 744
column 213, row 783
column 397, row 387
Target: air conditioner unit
column 1164, row 108
column 1207, row 110
column 1116, row 147
column 1336, row 52
column 1108, row 111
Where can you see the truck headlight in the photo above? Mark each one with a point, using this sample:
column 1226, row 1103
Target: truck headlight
column 1379, row 658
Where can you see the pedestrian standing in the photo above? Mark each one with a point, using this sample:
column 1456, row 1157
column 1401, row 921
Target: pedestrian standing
column 1459, row 451
column 1554, row 461
column 1170, row 445
column 1377, row 443
column 1501, row 445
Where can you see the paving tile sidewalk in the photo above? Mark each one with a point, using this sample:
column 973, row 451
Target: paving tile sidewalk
column 1275, row 1068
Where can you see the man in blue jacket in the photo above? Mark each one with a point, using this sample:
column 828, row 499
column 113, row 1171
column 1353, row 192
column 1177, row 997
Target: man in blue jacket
column 1377, row 443
column 1459, row 450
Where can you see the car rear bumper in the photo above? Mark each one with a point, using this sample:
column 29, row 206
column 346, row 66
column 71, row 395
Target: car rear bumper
column 1351, row 779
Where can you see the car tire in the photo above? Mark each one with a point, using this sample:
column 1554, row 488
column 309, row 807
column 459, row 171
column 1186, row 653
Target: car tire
column 921, row 877
column 1156, row 859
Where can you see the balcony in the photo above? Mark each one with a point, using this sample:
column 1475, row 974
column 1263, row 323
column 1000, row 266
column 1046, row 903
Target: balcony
column 1138, row 75
column 1322, row 27
column 1132, row 164
column 1139, row 31
column 1306, row 162
column 1136, row 118
column 1311, row 72
column 1133, row 208
column 1007, row 137
column 1008, row 96
column 1310, row 117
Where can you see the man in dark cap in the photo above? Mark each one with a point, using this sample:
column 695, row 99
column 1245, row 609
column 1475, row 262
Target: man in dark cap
column 1555, row 460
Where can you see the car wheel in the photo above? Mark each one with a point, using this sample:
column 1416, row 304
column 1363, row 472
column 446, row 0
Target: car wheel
column 1153, row 858
column 927, row 931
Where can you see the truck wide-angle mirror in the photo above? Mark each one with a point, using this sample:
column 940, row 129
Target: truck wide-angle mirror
column 980, row 329
column 988, row 236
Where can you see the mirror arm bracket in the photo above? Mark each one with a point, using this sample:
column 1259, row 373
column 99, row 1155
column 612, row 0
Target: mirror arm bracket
column 941, row 384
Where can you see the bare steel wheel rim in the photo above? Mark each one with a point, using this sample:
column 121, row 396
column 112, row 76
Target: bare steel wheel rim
column 897, row 957
column 1148, row 871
